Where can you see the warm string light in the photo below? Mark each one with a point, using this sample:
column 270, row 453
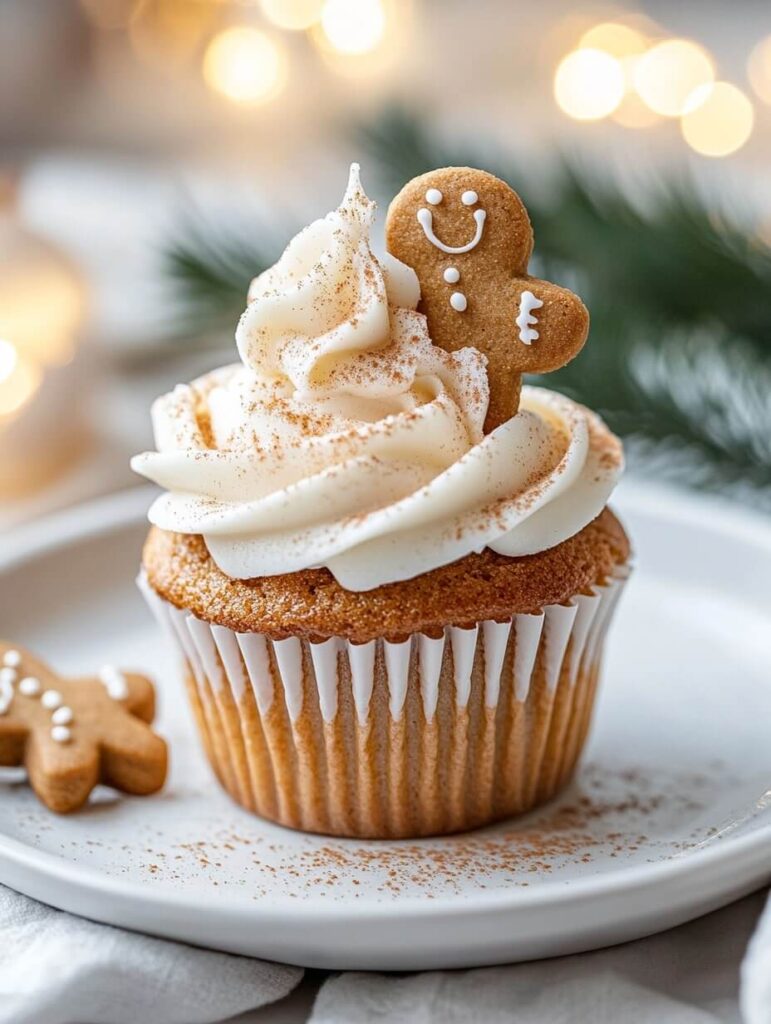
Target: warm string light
column 9, row 359
column 667, row 75
column 354, row 37
column 759, row 69
column 19, row 379
column 245, row 65
column 362, row 38
column 241, row 62
column 589, row 84
column 626, row 44
column 619, row 71
column 353, row 27
column 615, row 38
column 719, row 121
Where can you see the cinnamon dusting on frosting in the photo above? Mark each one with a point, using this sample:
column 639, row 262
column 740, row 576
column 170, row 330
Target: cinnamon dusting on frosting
column 348, row 440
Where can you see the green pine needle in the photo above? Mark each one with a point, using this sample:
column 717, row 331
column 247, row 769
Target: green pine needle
column 210, row 268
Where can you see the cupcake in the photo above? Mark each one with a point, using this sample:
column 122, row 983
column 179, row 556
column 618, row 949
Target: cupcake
column 389, row 604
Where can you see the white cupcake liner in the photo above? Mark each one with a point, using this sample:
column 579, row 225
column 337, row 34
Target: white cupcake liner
column 237, row 660
column 246, row 683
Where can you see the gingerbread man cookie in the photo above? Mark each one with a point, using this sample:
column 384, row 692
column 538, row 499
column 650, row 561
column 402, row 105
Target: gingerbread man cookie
column 468, row 237
column 71, row 734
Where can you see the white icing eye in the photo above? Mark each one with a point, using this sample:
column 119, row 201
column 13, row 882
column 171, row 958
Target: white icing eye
column 469, row 198
column 452, row 275
column 434, row 196
column 458, row 302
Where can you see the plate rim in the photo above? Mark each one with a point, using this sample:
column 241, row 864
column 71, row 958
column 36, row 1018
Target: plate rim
column 119, row 510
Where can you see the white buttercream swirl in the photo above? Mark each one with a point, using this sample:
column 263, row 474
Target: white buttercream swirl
column 348, row 440
column 329, row 316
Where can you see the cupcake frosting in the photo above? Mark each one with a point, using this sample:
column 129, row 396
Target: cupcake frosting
column 346, row 439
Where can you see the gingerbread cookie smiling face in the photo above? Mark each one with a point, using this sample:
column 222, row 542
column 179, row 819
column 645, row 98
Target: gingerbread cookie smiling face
column 468, row 238
column 71, row 734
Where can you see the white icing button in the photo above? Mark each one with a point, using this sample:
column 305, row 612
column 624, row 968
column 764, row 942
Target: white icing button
column 458, row 301
column 434, row 196
column 61, row 734
column 527, row 318
column 452, row 275
column 114, row 682
column 469, row 198
column 62, row 715
column 51, row 699
column 12, row 659
column 29, row 686
column 8, row 675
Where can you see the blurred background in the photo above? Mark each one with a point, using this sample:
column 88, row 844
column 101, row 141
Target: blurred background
column 157, row 154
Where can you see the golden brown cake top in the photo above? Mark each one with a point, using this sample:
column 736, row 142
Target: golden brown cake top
column 312, row 603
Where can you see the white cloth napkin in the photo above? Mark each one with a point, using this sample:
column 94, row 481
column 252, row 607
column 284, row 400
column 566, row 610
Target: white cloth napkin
column 689, row 975
column 756, row 974
column 60, row 969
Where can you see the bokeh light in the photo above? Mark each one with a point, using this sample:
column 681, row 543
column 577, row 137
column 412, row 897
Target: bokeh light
column 9, row 359
column 353, row 26
column 615, row 38
column 18, row 379
column 667, row 75
column 245, row 65
column 589, row 84
column 718, row 119
column 759, row 69
column 295, row 15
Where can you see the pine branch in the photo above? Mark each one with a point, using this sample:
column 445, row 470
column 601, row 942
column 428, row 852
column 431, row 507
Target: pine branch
column 210, row 269
column 687, row 465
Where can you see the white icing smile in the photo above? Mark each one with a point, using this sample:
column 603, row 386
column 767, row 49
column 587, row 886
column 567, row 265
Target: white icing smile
column 426, row 221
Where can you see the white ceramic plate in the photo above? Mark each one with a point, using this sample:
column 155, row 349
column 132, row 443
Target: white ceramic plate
column 670, row 816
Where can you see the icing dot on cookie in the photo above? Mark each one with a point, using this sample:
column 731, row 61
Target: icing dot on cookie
column 6, row 696
column 8, row 675
column 434, row 196
column 452, row 275
column 458, row 301
column 469, row 198
column 12, row 659
column 30, row 686
column 62, row 715
column 61, row 734
column 114, row 682
column 51, row 699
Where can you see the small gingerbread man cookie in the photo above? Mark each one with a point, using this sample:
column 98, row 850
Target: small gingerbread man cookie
column 71, row 734
column 468, row 238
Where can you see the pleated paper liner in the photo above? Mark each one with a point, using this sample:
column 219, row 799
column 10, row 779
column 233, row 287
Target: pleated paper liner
column 396, row 740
